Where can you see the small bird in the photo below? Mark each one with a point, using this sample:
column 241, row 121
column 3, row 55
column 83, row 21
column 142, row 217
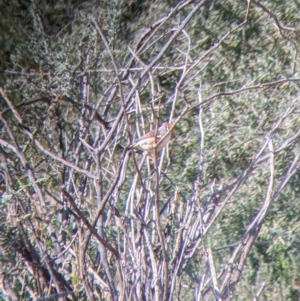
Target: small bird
column 148, row 142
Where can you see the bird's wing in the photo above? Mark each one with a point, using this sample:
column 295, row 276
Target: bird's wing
column 145, row 143
column 146, row 136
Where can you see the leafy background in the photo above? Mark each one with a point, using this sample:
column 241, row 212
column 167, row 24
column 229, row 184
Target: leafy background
column 229, row 78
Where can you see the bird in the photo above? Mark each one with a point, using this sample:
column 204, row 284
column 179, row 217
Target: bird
column 154, row 141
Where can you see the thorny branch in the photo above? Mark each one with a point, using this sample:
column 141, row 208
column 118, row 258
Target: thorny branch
column 124, row 231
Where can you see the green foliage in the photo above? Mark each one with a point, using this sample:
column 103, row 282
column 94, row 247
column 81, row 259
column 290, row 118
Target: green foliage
column 77, row 122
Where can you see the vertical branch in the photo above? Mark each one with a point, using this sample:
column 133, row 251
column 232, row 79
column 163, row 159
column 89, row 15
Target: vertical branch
column 165, row 274
column 82, row 265
column 211, row 265
column 201, row 128
column 232, row 276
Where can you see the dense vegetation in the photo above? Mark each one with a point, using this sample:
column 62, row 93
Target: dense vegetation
column 83, row 217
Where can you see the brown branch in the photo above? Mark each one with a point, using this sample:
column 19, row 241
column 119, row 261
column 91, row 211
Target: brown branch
column 37, row 143
column 280, row 28
column 89, row 226
column 115, row 69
